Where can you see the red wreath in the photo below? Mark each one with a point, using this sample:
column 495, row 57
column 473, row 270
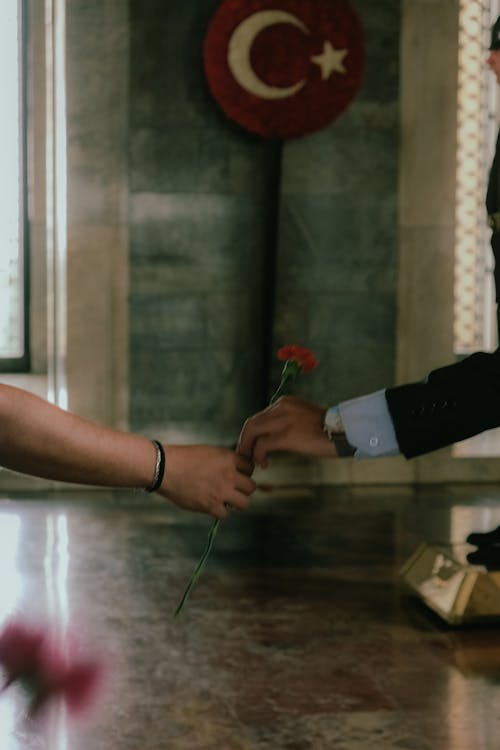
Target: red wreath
column 284, row 68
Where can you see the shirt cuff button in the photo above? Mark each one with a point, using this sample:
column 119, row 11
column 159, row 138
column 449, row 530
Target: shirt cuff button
column 374, row 441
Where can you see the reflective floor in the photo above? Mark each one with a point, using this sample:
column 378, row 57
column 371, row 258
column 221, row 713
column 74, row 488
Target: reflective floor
column 297, row 637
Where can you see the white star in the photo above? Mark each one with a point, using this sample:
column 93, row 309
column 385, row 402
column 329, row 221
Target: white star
column 330, row 60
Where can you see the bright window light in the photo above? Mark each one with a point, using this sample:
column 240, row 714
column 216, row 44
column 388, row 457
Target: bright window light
column 11, row 189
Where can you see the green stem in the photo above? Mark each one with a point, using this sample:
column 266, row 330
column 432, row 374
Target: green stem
column 287, row 374
column 290, row 370
column 197, row 571
column 279, row 390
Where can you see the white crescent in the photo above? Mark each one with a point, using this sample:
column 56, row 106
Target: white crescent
column 239, row 48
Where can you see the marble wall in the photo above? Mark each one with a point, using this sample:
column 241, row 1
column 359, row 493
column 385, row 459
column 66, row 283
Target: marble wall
column 338, row 241
column 198, row 222
column 205, row 198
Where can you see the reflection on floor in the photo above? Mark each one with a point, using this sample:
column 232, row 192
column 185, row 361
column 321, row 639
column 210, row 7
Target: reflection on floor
column 297, row 637
column 484, row 445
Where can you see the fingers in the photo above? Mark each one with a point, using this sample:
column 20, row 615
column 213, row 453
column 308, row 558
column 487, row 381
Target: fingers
column 268, row 444
column 234, row 488
column 237, row 501
column 220, row 512
column 246, row 441
column 263, row 433
column 254, row 427
column 290, row 424
column 244, row 485
column 237, row 493
column 244, row 464
column 267, row 435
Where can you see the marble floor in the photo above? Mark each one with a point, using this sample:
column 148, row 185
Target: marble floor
column 299, row 635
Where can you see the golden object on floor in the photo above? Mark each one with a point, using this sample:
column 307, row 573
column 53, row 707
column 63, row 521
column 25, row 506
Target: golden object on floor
column 456, row 591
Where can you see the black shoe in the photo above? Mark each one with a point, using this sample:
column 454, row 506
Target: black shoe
column 489, row 557
column 480, row 539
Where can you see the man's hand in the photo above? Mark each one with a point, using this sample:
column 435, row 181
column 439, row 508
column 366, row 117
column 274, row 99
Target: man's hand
column 207, row 479
column 290, row 424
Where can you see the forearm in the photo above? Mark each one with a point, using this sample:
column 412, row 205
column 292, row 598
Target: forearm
column 40, row 439
column 453, row 403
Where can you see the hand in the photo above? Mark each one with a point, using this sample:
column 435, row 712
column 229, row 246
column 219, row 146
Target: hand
column 290, row 424
column 207, row 479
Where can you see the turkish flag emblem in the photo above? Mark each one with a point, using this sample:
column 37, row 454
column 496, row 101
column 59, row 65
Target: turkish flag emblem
column 284, row 68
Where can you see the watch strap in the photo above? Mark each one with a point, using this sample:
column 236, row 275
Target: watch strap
column 334, row 428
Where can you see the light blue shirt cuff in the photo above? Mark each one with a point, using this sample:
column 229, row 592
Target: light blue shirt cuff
column 368, row 426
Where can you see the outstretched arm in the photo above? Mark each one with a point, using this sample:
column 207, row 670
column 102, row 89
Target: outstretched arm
column 40, row 439
column 451, row 404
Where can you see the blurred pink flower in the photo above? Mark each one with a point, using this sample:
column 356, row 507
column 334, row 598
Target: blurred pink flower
column 47, row 668
column 20, row 648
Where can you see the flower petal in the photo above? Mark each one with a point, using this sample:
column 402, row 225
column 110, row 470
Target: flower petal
column 304, row 357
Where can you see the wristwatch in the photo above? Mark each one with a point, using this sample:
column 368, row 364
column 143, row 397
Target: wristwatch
column 334, row 428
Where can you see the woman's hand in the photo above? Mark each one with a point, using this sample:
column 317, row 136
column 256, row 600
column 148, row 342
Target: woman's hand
column 207, row 479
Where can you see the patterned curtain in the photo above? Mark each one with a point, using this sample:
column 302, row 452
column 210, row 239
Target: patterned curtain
column 476, row 133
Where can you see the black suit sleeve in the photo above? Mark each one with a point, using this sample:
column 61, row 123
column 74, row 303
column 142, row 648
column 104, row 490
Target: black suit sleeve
column 492, row 193
column 451, row 404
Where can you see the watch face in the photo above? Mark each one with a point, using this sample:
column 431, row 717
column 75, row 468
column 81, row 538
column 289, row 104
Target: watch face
column 333, row 422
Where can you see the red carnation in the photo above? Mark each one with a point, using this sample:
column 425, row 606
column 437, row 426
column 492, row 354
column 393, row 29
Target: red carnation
column 299, row 354
column 297, row 359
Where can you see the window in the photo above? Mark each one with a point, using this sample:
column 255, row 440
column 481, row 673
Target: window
column 14, row 298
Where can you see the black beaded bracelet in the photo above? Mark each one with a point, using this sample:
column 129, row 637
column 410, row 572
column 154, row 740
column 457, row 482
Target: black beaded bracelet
column 159, row 468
